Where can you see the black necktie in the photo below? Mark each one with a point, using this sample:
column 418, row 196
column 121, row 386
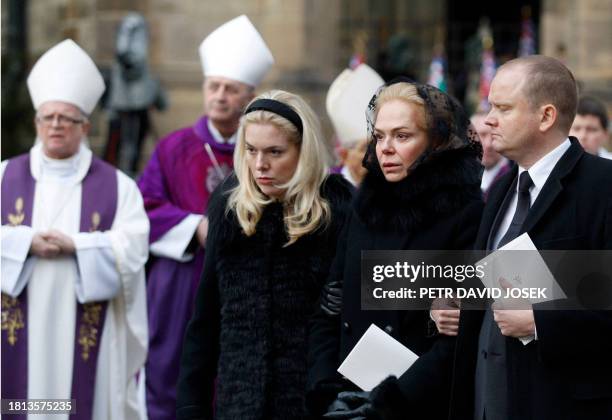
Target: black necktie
column 522, row 208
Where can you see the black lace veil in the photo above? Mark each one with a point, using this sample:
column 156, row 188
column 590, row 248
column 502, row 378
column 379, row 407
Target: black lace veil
column 448, row 126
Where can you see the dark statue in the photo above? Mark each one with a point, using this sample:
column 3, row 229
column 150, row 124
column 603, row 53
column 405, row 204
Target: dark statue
column 133, row 91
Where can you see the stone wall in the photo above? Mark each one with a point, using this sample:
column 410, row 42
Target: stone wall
column 312, row 40
column 580, row 34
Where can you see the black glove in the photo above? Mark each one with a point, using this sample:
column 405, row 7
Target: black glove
column 351, row 405
column 331, row 298
column 320, row 397
column 337, row 405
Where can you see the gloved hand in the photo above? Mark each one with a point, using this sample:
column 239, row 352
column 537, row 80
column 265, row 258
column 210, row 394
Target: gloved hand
column 331, row 297
column 351, row 405
column 319, row 398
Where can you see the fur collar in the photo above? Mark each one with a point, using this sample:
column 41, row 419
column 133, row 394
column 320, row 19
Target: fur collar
column 441, row 186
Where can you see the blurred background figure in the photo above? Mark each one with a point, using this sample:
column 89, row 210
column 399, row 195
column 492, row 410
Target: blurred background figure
column 398, row 57
column 590, row 127
column 480, row 60
column 495, row 165
column 346, row 104
column 133, row 92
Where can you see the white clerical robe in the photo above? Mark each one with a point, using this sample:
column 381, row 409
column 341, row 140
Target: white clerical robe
column 107, row 266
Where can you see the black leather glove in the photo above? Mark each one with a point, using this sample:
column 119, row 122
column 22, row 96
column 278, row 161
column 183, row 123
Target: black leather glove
column 351, row 405
column 331, row 298
column 337, row 405
column 321, row 396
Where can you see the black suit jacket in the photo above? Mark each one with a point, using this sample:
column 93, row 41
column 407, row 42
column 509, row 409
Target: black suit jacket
column 567, row 372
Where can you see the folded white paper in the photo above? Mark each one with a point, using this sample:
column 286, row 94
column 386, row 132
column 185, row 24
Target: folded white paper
column 376, row 356
column 522, row 270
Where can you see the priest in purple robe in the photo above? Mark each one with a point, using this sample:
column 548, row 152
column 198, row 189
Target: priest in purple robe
column 74, row 246
column 184, row 169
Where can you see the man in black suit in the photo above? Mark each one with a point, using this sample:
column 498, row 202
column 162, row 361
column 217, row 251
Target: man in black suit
column 537, row 363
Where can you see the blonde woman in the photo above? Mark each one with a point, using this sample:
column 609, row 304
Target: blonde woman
column 273, row 229
column 421, row 192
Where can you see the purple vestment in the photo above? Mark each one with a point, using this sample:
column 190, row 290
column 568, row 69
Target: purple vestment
column 98, row 208
column 336, row 169
column 177, row 181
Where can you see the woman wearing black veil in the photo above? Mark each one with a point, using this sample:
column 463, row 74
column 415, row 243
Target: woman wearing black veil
column 422, row 192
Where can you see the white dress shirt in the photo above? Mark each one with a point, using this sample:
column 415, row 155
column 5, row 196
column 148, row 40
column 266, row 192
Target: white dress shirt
column 539, row 173
column 604, row 153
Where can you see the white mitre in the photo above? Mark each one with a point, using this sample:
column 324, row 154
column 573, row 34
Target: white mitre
column 347, row 101
column 236, row 50
column 66, row 73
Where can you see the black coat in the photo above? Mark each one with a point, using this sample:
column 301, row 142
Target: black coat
column 567, row 372
column 437, row 207
column 249, row 329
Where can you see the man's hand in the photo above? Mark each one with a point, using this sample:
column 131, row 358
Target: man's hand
column 43, row 248
column 445, row 313
column 61, row 240
column 202, row 231
column 513, row 322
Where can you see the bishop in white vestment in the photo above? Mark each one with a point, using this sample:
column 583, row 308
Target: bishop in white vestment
column 74, row 245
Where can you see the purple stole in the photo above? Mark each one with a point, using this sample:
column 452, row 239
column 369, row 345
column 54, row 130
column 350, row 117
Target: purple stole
column 336, row 169
column 98, row 208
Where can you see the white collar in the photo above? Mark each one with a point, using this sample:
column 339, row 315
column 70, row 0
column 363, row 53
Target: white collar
column 604, row 153
column 217, row 135
column 347, row 174
column 540, row 170
column 489, row 175
column 73, row 168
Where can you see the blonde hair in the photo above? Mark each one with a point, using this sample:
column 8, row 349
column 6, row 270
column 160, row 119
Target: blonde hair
column 406, row 92
column 304, row 208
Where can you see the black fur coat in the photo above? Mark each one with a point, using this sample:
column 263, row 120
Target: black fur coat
column 249, row 330
column 436, row 207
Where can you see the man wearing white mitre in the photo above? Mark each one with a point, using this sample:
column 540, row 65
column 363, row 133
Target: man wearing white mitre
column 74, row 245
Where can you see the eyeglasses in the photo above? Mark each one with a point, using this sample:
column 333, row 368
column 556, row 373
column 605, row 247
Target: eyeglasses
column 62, row 120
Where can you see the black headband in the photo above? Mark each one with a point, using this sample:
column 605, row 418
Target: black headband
column 277, row 108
